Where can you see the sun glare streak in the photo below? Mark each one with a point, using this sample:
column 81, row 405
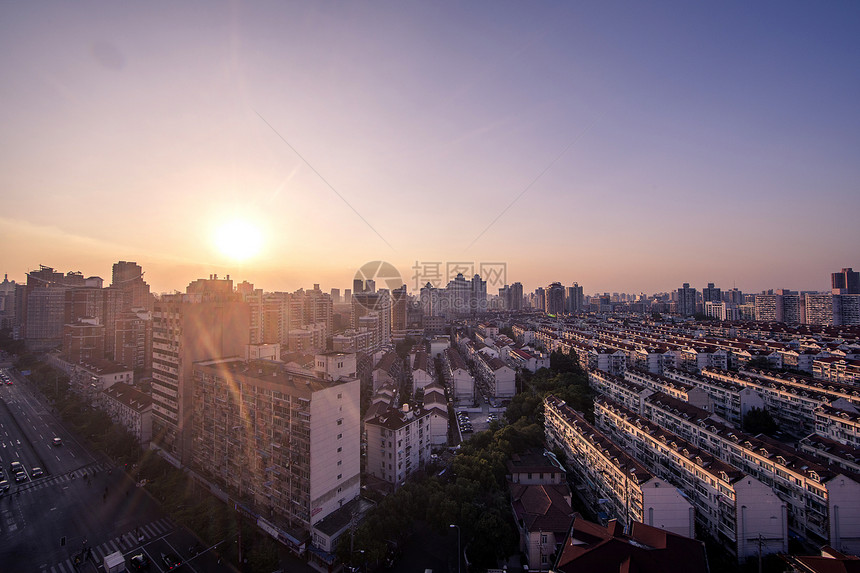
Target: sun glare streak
column 238, row 240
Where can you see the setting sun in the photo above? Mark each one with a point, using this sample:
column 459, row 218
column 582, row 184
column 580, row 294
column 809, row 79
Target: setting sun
column 238, row 240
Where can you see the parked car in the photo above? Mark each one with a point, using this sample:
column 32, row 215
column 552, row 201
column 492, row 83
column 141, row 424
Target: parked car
column 4, row 486
column 170, row 561
column 58, row 442
column 19, row 477
column 37, row 472
column 139, row 562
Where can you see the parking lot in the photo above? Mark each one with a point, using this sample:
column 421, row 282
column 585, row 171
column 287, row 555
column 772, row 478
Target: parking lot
column 471, row 422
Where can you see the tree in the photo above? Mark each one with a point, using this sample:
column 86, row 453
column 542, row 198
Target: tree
column 560, row 362
column 759, row 421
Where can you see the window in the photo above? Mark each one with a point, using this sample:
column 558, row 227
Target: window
column 339, row 436
column 339, row 396
column 340, row 462
column 339, row 476
column 340, row 449
column 340, row 422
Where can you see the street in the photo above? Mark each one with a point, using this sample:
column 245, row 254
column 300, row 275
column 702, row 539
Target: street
column 81, row 508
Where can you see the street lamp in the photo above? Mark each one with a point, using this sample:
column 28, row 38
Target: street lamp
column 458, row 546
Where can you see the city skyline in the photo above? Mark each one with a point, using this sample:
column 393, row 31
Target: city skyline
column 409, row 282
column 626, row 148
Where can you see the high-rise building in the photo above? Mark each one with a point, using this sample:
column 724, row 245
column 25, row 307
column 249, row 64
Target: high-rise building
column 478, row 298
column 711, row 294
column 399, row 301
column 820, row 309
column 768, row 307
column 84, row 341
column 686, row 300
column 207, row 322
column 335, row 295
column 44, row 305
column 133, row 340
column 850, row 309
column 554, row 299
column 574, row 299
column 516, row 296
column 127, row 276
column 505, row 297
column 10, row 308
column 377, row 306
column 847, row 281
column 540, row 298
column 289, row 443
column 792, row 308
column 733, row 296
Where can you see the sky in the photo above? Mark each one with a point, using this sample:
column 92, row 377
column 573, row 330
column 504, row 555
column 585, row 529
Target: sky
column 625, row 146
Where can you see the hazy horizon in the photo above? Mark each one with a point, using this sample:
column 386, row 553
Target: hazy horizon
column 627, row 147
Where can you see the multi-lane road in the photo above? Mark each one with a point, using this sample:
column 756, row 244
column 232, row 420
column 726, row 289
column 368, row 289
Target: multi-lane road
column 80, row 505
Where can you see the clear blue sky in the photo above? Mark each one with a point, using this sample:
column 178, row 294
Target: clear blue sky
column 627, row 146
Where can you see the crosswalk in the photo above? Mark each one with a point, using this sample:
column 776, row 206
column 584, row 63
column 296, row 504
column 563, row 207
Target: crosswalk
column 125, row 543
column 51, row 481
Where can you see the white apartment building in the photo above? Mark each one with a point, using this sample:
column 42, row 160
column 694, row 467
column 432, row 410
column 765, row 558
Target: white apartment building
column 288, row 442
column 130, row 408
column 623, row 391
column 619, row 485
column 436, row 403
column 335, row 365
column 422, row 371
column 681, row 390
column 840, row 422
column 729, row 400
column 457, row 376
column 355, row 341
column 738, row 510
column 793, row 406
column 822, row 503
column 498, row 376
column 398, row 444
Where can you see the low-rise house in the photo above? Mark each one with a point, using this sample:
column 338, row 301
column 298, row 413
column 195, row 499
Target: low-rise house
column 593, row 548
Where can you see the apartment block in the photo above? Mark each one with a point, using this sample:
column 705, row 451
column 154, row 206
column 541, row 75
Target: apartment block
column 284, row 442
column 456, row 373
column 206, row 323
column 398, row 443
column 130, row 408
column 738, row 510
column 822, row 503
column 683, row 391
column 499, row 378
column 610, row 478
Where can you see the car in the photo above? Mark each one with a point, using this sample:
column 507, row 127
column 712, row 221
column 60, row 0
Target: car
column 19, row 477
column 37, row 472
column 4, row 486
column 170, row 561
column 16, row 467
column 139, row 562
column 58, row 442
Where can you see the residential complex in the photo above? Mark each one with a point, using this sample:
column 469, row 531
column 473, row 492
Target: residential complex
column 282, row 440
